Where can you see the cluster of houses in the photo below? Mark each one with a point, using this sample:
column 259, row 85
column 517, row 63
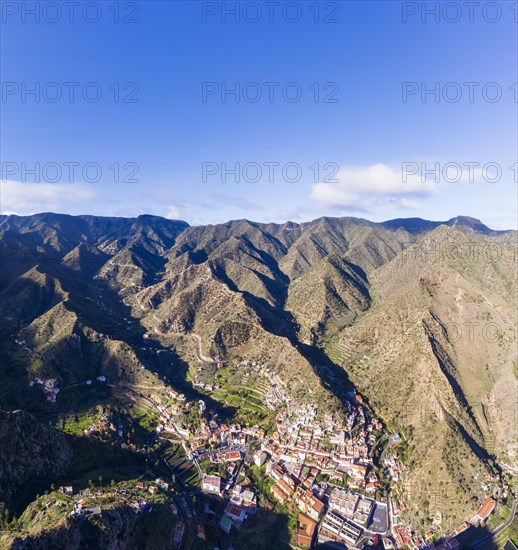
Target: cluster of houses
column 351, row 505
column 305, row 445
column 353, row 519
column 216, row 434
column 104, row 425
column 326, row 445
column 348, row 517
column 284, row 487
column 49, row 387
column 480, row 518
column 242, row 503
column 88, row 502
column 403, row 534
column 205, row 386
column 393, row 467
column 331, row 443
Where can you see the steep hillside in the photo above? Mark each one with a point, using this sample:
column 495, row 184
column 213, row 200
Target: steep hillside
column 436, row 356
column 28, row 452
column 421, row 316
column 48, row 522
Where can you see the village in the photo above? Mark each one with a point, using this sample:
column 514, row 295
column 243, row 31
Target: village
column 318, row 465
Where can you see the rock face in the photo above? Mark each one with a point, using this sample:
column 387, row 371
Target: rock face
column 64, row 536
column 441, row 348
column 420, row 315
column 118, row 528
column 29, row 452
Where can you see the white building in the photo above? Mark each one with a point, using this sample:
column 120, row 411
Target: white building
column 211, row 484
column 260, row 458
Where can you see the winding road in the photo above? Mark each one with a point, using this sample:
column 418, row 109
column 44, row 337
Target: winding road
column 201, row 357
column 499, row 529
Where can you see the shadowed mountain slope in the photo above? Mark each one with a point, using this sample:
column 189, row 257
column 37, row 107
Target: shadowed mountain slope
column 420, row 316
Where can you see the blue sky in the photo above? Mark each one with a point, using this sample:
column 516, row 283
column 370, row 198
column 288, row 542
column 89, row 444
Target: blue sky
column 363, row 154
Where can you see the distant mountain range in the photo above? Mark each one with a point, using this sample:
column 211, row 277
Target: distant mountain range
column 418, row 316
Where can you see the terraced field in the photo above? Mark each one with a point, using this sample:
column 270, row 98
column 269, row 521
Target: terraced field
column 191, row 372
column 249, row 401
column 342, row 352
column 240, row 396
column 261, row 385
column 184, row 469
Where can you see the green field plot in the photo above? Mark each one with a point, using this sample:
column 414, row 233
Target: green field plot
column 190, row 478
column 172, row 452
column 240, row 396
column 77, row 424
column 146, row 416
column 183, row 468
column 249, row 403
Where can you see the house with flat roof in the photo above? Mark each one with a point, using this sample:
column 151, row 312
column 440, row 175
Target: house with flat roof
column 340, row 528
column 211, row 484
column 344, row 502
column 363, row 511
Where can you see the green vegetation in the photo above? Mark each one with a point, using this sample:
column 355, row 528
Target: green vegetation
column 262, row 531
column 184, row 470
column 278, row 296
column 512, row 531
column 35, row 366
column 77, row 424
column 249, row 405
column 499, row 515
column 146, row 417
column 51, row 513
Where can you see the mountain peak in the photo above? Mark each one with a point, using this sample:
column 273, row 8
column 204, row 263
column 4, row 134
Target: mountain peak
column 467, row 222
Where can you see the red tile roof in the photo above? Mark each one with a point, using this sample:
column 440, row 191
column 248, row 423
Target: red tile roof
column 486, row 508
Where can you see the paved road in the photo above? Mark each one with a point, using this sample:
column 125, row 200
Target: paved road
column 224, row 449
column 500, row 528
column 201, row 357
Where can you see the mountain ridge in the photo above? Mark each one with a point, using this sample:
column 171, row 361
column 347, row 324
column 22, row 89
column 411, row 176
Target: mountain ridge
column 398, row 223
column 330, row 306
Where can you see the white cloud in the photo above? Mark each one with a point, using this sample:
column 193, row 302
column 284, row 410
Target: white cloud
column 181, row 211
column 382, row 179
column 173, row 212
column 26, row 198
column 358, row 187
